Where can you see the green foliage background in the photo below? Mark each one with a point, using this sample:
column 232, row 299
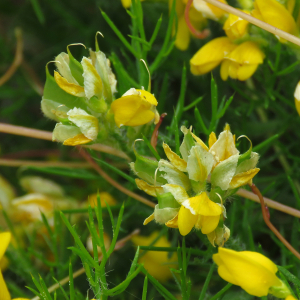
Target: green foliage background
column 262, row 108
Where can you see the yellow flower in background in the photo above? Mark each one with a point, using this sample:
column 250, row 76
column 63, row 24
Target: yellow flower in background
column 89, row 244
column 127, row 3
column 5, row 238
column 208, row 10
column 134, row 108
column 252, row 271
column 158, row 264
column 297, row 98
column 235, row 27
column 183, row 36
column 105, row 197
column 242, row 62
column 275, row 14
column 211, row 55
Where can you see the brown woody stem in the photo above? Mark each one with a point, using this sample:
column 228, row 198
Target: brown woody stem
column 256, row 191
column 114, row 183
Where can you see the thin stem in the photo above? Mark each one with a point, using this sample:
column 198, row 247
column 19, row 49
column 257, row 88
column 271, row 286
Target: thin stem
column 47, row 135
column 276, row 31
column 200, row 35
column 119, row 245
column 17, row 60
column 114, row 183
column 207, row 280
column 271, row 203
column 220, row 293
column 155, row 131
column 22, row 163
column 270, row 225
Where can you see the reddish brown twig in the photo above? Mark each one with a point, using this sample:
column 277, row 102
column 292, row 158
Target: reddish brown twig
column 155, row 131
column 17, row 60
column 256, row 191
column 114, row 183
column 200, row 35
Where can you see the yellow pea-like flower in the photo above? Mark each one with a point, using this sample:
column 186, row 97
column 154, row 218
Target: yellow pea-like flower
column 235, row 27
column 242, row 62
column 297, row 98
column 134, row 108
column 275, row 14
column 208, row 10
column 5, row 238
column 252, row 271
column 211, row 55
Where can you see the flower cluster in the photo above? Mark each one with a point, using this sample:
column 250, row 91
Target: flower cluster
column 80, row 97
column 192, row 189
column 238, row 53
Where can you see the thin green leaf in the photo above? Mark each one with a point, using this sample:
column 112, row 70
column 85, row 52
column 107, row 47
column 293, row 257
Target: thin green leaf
column 156, row 155
column 38, row 11
column 199, row 99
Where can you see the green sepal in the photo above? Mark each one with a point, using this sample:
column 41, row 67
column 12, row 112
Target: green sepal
column 167, row 200
column 245, row 155
column 76, row 68
column 97, row 105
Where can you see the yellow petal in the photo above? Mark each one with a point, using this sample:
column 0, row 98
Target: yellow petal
column 70, row 88
column 212, row 139
column 275, row 14
column 186, row 220
column 253, row 272
column 246, row 71
column 207, row 224
column 149, row 219
column 126, row 3
column 5, row 238
column 172, row 223
column 147, row 188
column 224, row 70
column 105, row 197
column 208, row 10
column 4, row 293
column 79, row 139
column 177, row 191
column 148, row 97
column 132, row 111
column 183, row 36
column 235, row 27
column 202, row 205
column 290, row 297
column 242, row 178
column 247, row 53
column 211, row 55
column 297, row 98
column 199, row 141
column 176, row 161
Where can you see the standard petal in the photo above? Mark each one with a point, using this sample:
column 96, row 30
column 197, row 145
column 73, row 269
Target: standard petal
column 199, row 163
column 242, row 178
column 92, row 81
column 132, row 110
column 186, row 220
column 224, row 172
column 88, row 124
column 147, row 188
column 202, row 205
column 178, row 192
column 176, row 161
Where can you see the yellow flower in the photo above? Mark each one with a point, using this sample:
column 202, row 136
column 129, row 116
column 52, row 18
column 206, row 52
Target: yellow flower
column 5, row 238
column 242, row 62
column 275, row 14
column 252, row 271
column 134, row 108
column 235, row 27
column 183, row 36
column 127, row 3
column 297, row 98
column 208, row 10
column 211, row 55
column 156, row 263
column 105, row 197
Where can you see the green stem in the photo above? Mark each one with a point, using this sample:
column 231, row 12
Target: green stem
column 206, row 283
